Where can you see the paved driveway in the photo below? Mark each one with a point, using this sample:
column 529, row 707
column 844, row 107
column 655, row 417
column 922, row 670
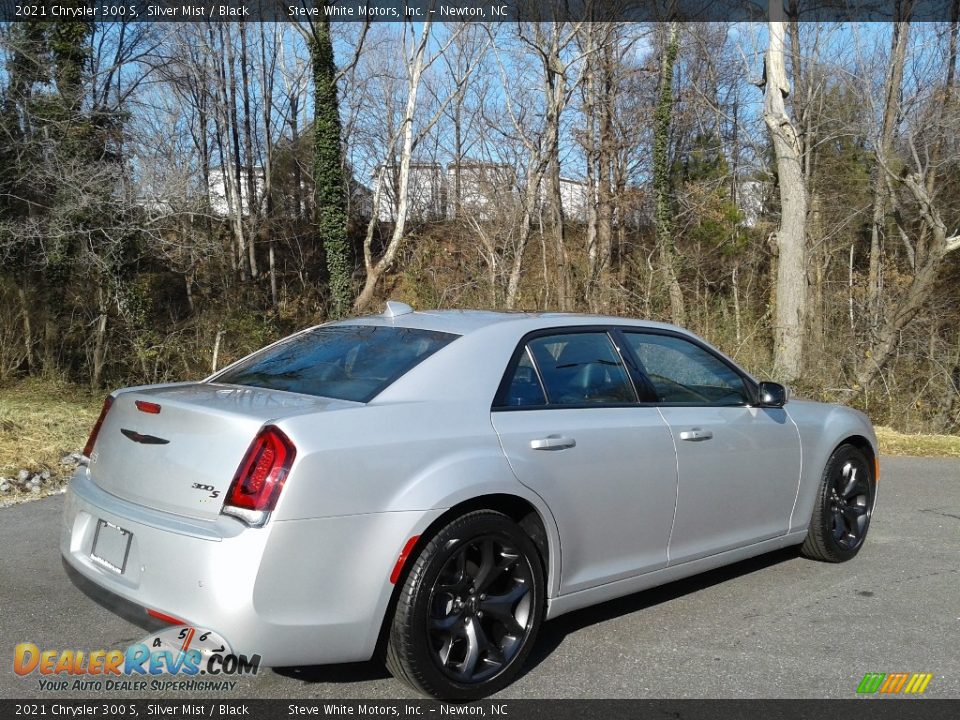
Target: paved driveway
column 776, row 626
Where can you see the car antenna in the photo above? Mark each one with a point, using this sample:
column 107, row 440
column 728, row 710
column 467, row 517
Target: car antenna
column 395, row 308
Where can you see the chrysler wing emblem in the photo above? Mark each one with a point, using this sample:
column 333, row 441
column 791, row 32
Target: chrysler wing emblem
column 145, row 439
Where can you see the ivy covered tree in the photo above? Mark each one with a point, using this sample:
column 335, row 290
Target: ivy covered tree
column 331, row 211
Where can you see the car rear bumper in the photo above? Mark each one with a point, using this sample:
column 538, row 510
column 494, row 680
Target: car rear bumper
column 295, row 592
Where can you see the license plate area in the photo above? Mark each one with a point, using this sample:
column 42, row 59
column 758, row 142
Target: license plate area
column 111, row 545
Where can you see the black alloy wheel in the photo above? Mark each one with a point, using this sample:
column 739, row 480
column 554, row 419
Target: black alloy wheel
column 480, row 608
column 844, row 507
column 850, row 505
column 469, row 610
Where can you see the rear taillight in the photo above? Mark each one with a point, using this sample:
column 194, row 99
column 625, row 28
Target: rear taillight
column 91, row 441
column 256, row 486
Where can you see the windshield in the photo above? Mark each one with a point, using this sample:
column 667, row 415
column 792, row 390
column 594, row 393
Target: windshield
column 347, row 362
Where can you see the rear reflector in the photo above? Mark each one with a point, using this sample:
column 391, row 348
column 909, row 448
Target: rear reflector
column 402, row 560
column 258, row 481
column 166, row 618
column 91, row 441
column 147, row 407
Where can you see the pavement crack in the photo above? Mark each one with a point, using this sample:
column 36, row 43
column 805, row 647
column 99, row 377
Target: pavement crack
column 942, row 513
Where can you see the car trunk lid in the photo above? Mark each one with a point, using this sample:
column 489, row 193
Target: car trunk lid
column 179, row 450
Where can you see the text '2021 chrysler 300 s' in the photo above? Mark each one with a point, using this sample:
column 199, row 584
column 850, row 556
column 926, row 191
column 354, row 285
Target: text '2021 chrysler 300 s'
column 435, row 485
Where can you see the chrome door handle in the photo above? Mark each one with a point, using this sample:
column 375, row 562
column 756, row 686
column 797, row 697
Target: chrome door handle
column 696, row 434
column 553, row 442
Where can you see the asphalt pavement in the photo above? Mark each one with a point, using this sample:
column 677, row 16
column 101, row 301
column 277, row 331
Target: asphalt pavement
column 776, row 626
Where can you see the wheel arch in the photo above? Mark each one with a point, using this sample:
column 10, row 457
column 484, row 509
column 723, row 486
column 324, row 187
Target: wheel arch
column 535, row 521
column 824, row 428
column 866, row 447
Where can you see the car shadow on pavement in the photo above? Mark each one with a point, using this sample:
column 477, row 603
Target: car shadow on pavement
column 342, row 673
column 553, row 633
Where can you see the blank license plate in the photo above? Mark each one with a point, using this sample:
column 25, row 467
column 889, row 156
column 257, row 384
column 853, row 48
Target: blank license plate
column 111, row 544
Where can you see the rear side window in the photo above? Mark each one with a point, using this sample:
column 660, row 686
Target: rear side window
column 347, row 362
column 570, row 369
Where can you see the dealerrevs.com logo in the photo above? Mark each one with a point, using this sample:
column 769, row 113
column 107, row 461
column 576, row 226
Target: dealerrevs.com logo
column 183, row 651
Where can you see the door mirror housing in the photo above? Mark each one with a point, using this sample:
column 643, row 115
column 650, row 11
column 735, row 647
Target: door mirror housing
column 772, row 395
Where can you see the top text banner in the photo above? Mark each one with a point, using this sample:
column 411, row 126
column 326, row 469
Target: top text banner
column 360, row 11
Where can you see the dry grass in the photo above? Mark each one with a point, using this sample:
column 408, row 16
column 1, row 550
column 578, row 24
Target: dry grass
column 41, row 421
column 895, row 443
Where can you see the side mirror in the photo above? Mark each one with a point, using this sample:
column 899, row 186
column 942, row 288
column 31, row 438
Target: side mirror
column 771, row 394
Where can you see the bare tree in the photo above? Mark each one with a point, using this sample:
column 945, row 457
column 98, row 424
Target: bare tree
column 791, row 279
column 884, row 143
column 417, row 59
column 662, row 185
column 549, row 44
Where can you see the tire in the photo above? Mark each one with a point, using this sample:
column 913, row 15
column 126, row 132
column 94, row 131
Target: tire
column 469, row 611
column 843, row 508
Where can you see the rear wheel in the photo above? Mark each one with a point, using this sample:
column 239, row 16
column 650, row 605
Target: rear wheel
column 470, row 608
column 844, row 506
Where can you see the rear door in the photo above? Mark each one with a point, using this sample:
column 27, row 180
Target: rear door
column 570, row 424
column 739, row 465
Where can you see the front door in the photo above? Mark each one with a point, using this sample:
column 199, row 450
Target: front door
column 739, row 466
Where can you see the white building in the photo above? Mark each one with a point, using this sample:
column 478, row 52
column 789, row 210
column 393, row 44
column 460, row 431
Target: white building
column 426, row 192
column 574, row 198
column 486, row 189
column 751, row 200
column 218, row 190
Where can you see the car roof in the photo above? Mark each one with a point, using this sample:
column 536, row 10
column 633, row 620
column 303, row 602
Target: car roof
column 464, row 322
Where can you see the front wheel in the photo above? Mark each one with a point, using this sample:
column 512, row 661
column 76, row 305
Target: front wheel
column 844, row 506
column 470, row 608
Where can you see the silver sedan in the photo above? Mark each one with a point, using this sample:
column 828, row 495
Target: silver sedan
column 432, row 486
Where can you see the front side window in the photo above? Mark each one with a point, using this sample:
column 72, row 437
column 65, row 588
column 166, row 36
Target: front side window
column 569, row 369
column 684, row 373
column 347, row 362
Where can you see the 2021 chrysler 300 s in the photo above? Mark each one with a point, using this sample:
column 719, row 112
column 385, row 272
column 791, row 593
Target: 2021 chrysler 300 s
column 435, row 485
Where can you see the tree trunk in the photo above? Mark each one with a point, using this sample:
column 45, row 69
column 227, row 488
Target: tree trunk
column 557, row 232
column 662, row 184
column 99, row 345
column 891, row 110
column 266, row 83
column 607, row 161
column 375, row 272
column 252, row 204
column 791, row 276
column 329, row 196
column 27, row 330
column 534, row 178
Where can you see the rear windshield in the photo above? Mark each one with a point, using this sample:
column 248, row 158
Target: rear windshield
column 348, row 362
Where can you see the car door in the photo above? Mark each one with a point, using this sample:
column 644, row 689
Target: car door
column 739, row 465
column 570, row 425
